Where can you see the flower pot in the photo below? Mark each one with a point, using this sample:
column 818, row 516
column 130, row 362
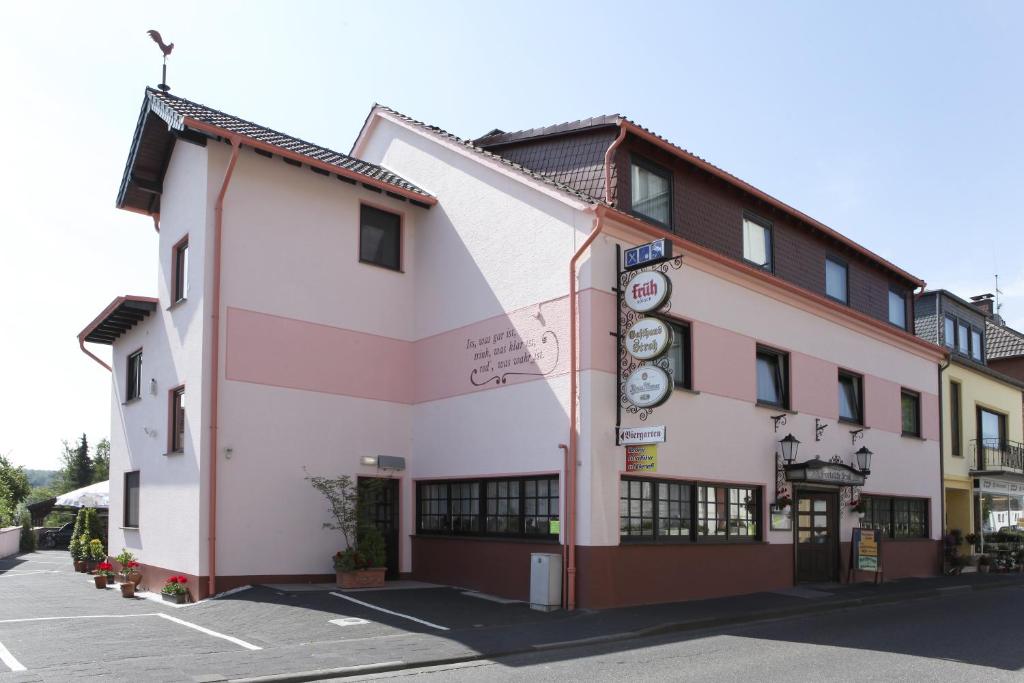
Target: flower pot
column 984, row 568
column 101, row 581
column 90, row 565
column 135, row 578
column 176, row 598
column 362, row 578
column 128, row 590
column 80, row 566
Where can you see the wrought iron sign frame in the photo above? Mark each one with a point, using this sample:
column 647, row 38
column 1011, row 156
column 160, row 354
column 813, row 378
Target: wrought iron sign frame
column 624, row 319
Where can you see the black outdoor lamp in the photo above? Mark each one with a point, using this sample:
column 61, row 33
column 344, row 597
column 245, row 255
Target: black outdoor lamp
column 790, row 445
column 864, row 460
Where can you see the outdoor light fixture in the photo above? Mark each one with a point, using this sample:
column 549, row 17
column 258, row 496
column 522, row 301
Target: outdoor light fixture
column 789, row 445
column 368, row 460
column 864, row 460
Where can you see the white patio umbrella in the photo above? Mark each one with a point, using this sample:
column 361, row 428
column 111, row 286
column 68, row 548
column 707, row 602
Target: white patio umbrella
column 92, row 496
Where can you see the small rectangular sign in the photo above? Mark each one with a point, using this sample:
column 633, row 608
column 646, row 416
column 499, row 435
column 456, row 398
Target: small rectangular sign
column 646, row 254
column 635, row 436
column 642, row 458
column 554, row 526
column 866, row 556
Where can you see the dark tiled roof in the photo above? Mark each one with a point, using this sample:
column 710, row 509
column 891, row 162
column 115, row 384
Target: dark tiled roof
column 469, row 144
column 121, row 315
column 175, row 109
column 1002, row 341
column 497, row 137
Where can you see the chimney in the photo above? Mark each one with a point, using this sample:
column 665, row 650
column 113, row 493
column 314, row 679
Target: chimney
column 984, row 303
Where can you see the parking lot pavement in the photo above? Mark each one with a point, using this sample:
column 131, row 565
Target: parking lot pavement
column 56, row 626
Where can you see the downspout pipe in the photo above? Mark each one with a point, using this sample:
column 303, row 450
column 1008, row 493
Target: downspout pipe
column 81, row 345
column 571, row 458
column 218, row 230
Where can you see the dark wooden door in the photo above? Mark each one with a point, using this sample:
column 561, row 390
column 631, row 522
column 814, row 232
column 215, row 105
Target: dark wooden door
column 817, row 537
column 380, row 496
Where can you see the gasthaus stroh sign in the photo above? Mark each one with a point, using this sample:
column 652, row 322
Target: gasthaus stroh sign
column 648, row 382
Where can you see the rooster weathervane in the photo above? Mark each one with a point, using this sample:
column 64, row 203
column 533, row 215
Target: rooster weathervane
column 166, row 49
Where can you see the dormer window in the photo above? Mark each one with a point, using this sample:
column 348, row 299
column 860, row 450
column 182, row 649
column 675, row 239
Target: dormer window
column 651, row 188
column 757, row 242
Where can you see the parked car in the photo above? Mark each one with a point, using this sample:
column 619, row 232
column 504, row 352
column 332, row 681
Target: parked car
column 57, row 538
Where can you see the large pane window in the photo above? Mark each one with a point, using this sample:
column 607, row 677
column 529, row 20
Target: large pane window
column 836, row 280
column 949, row 330
column 976, row 345
column 772, row 377
column 679, row 355
column 851, row 398
column 654, row 510
column 488, row 507
column 898, row 309
column 179, row 284
column 910, row 407
column 380, row 237
column 177, row 420
column 133, row 378
column 896, row 517
column 131, row 499
column 757, row 242
column 963, row 338
column 652, row 192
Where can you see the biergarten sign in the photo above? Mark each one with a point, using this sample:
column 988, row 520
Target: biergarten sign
column 647, row 291
column 648, row 386
column 635, row 436
column 648, row 338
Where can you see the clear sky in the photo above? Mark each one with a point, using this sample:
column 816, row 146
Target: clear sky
column 898, row 124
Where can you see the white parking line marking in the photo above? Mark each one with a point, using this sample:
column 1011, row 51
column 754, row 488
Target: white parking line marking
column 14, row 572
column 84, row 616
column 215, row 634
column 348, row 621
column 8, row 659
column 387, row 611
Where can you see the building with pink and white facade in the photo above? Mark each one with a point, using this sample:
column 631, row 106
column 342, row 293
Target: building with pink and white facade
column 405, row 312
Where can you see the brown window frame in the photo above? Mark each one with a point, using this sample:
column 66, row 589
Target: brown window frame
column 174, row 410
column 179, row 266
column 956, row 416
column 462, row 514
column 859, row 387
column 127, row 520
column 782, row 367
column 835, row 260
column 917, row 404
column 770, row 247
column 133, row 376
column 398, row 267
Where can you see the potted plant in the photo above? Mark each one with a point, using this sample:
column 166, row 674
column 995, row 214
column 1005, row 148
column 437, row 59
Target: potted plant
column 362, row 563
column 783, row 500
column 75, row 546
column 175, row 591
column 104, row 574
column 127, row 585
column 859, row 506
column 129, row 567
column 984, row 564
column 97, row 554
column 972, row 539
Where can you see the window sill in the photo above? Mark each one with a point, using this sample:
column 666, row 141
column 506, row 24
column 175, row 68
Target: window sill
column 767, row 267
column 917, row 437
column 687, row 390
column 551, row 540
column 381, row 266
column 772, row 406
column 177, row 304
column 852, row 423
column 128, row 528
column 170, row 453
column 129, row 401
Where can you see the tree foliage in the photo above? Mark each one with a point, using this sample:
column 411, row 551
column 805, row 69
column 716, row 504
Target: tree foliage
column 101, row 461
column 28, row 536
column 78, row 466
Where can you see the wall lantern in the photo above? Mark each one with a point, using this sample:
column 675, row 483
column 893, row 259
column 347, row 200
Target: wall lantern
column 864, row 460
column 790, row 445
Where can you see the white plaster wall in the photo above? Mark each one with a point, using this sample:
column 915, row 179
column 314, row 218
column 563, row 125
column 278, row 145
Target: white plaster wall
column 172, row 341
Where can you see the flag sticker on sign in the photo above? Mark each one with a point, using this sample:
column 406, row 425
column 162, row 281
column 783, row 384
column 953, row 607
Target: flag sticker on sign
column 642, row 458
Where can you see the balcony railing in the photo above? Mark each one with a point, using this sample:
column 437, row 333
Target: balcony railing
column 997, row 455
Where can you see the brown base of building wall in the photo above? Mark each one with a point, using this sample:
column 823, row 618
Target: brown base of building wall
column 154, row 578
column 491, row 566
column 900, row 560
column 617, row 576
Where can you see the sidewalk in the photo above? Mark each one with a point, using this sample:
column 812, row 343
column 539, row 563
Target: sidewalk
column 57, row 627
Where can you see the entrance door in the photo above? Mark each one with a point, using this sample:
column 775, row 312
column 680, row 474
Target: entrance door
column 817, row 537
column 381, row 499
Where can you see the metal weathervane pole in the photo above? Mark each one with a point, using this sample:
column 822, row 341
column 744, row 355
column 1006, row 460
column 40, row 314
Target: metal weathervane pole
column 166, row 50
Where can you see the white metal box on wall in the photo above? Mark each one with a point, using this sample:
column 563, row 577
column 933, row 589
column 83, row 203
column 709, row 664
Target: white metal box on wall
column 545, row 581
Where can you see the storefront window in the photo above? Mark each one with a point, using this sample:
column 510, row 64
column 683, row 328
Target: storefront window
column 488, row 507
column 896, row 517
column 653, row 510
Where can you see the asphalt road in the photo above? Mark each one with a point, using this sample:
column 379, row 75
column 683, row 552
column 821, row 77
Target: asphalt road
column 973, row 636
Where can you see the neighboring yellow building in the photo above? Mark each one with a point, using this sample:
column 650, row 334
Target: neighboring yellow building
column 982, row 421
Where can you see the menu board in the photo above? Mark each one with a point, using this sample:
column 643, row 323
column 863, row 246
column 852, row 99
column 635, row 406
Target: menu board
column 865, row 550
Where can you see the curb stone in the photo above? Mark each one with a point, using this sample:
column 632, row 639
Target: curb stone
column 660, row 629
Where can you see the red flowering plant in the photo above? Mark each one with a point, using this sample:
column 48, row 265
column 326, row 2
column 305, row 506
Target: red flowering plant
column 128, row 568
column 858, row 505
column 175, row 585
column 105, row 569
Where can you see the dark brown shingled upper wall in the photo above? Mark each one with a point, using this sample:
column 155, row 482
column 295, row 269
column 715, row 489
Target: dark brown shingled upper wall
column 576, row 160
column 709, row 212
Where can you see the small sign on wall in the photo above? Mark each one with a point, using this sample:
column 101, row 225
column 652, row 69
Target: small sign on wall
column 635, row 436
column 642, row 458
